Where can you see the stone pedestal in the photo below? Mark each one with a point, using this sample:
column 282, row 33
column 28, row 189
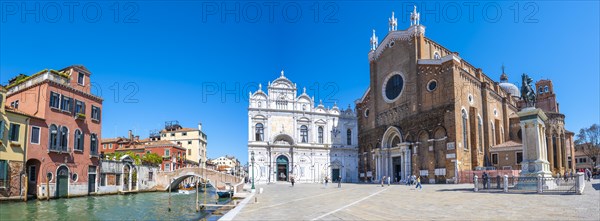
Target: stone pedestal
column 535, row 154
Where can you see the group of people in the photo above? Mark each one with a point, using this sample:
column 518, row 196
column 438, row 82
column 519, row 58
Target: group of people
column 414, row 180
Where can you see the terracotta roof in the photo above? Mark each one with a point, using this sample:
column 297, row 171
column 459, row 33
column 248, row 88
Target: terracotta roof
column 16, row 111
column 162, row 143
column 508, row 145
column 106, row 140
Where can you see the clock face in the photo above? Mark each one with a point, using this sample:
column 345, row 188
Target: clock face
column 392, row 87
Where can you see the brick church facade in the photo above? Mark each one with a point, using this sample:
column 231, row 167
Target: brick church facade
column 429, row 112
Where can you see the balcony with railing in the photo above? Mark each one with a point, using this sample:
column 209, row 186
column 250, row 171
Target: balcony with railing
column 52, row 75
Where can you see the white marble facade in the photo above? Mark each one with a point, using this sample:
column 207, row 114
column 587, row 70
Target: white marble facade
column 292, row 137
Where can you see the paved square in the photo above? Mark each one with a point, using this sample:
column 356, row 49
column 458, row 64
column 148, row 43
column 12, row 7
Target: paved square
column 398, row 202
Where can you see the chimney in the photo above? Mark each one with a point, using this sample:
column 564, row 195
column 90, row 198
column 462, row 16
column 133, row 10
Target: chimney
column 130, row 135
column 200, row 126
column 137, row 138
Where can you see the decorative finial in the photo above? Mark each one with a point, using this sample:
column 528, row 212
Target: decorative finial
column 414, row 17
column 335, row 103
column 374, row 41
column 320, row 102
column 304, row 90
column 503, row 76
column 281, row 73
column 393, row 23
column 259, row 86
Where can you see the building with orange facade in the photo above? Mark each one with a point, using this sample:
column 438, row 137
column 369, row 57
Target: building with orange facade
column 63, row 160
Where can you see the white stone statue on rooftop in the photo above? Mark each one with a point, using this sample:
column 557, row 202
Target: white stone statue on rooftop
column 393, row 23
column 414, row 17
column 374, row 41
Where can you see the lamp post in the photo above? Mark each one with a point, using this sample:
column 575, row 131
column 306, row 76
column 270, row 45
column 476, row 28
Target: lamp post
column 252, row 160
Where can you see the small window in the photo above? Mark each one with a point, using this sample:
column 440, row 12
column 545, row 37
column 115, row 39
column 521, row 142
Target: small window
column 184, row 134
column 167, row 167
column 15, row 104
column 167, row 153
column 150, row 175
column 541, row 90
column 432, row 85
column 172, row 134
column 13, row 132
column 320, row 134
column 118, row 179
column 35, row 135
column 494, row 158
column 54, row 100
column 78, row 140
column 367, row 113
column 49, row 176
column 109, row 146
column 66, row 104
column 74, row 177
column 349, row 137
column 80, row 78
column 189, row 151
column 79, row 107
column 95, row 113
column 190, row 142
column 546, row 89
column 304, row 133
column 519, row 157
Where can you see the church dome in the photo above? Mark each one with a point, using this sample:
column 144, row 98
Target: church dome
column 510, row 88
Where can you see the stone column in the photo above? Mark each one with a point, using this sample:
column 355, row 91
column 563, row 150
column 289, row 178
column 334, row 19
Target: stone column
column 559, row 154
column 550, row 152
column 564, row 154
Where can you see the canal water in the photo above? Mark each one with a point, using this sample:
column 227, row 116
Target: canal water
column 140, row 206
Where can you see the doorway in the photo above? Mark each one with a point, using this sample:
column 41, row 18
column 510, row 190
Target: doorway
column 282, row 168
column 397, row 162
column 335, row 175
column 91, row 179
column 62, row 181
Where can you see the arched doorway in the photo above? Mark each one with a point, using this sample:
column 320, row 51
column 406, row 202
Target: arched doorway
column 33, row 171
column 282, row 168
column 62, row 181
column 125, row 175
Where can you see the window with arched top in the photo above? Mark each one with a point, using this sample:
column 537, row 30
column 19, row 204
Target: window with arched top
column 320, row 134
column 259, row 132
column 493, row 141
column 78, row 140
column 53, row 137
column 480, row 131
column 349, row 137
column 64, row 138
column 464, row 128
column 93, row 144
column 546, row 89
column 304, row 134
column 541, row 90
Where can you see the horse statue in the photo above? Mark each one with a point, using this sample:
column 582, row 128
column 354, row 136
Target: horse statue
column 527, row 92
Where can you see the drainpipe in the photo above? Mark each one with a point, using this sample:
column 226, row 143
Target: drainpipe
column 23, row 172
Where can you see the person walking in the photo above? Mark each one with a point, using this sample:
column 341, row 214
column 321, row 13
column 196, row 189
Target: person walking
column 419, row 183
column 588, row 174
column 326, row 180
column 485, row 180
column 292, row 180
column 339, row 181
column 382, row 179
column 388, row 180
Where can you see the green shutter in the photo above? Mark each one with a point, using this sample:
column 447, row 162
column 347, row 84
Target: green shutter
column 3, row 169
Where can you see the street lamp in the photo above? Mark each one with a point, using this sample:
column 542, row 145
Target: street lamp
column 252, row 159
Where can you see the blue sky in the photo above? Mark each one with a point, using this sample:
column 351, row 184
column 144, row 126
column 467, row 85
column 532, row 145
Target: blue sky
column 156, row 61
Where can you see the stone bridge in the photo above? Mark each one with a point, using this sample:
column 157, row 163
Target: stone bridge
column 215, row 178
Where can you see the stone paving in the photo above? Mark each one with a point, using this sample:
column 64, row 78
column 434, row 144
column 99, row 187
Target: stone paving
column 398, row 202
